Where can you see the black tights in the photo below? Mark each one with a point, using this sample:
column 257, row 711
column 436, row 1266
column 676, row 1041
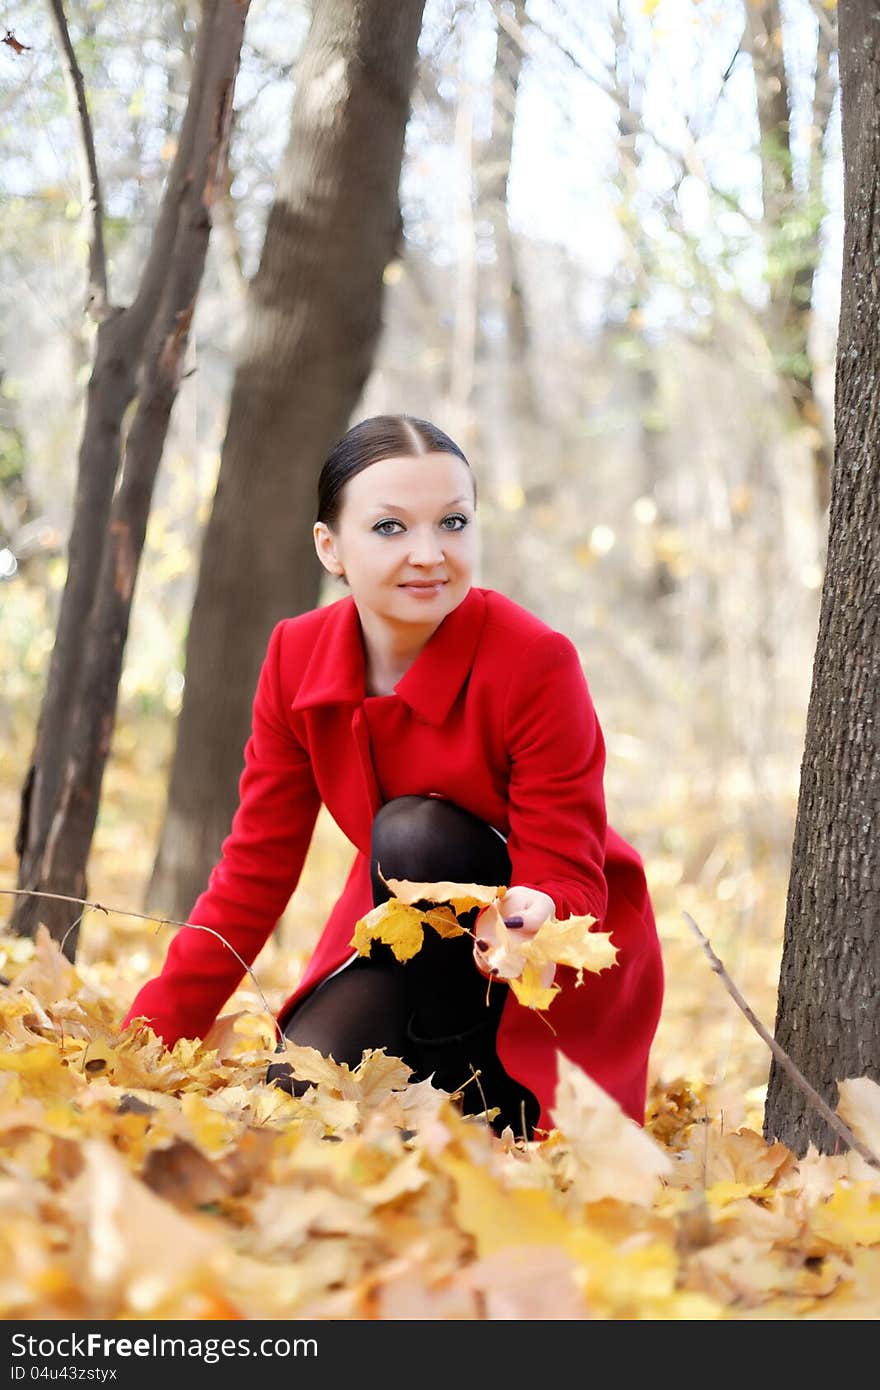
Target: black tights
column 432, row 1010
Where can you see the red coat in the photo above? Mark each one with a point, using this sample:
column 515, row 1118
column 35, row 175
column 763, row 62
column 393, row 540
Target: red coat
column 494, row 714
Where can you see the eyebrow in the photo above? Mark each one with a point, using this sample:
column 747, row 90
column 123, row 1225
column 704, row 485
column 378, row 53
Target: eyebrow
column 396, row 507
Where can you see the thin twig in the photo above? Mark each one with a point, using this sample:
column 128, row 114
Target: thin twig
column 782, row 1057
column 97, row 299
column 160, row 922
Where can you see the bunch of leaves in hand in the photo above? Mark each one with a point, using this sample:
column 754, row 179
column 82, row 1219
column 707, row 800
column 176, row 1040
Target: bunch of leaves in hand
column 526, row 963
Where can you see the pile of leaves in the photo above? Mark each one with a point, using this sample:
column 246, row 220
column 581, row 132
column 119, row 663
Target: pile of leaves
column 138, row 1182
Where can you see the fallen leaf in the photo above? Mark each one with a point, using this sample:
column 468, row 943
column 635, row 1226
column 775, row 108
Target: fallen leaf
column 610, row 1155
column 859, row 1106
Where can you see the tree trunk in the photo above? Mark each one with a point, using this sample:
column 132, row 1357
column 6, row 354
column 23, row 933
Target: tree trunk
column 505, row 394
column 828, row 1019
column 60, row 796
column 792, row 220
column 312, row 325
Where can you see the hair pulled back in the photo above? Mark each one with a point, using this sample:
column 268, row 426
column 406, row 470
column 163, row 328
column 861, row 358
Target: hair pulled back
column 369, row 441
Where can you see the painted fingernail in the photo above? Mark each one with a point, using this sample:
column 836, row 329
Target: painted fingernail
column 513, row 922
column 483, row 945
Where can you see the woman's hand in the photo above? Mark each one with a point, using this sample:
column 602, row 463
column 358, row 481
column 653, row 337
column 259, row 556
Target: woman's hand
column 526, row 909
column 523, row 911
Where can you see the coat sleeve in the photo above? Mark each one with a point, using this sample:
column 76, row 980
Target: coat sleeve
column 556, row 794
column 248, row 888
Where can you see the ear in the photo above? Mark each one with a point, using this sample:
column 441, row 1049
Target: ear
column 325, row 545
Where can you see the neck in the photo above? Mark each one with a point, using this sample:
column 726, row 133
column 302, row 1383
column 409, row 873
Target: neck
column 389, row 652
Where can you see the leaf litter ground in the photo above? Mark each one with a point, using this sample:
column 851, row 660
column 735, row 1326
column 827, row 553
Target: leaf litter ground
column 138, row 1182
column 141, row 1183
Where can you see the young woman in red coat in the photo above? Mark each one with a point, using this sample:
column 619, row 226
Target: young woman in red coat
column 451, row 735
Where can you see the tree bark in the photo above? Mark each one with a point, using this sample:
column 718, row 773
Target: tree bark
column 828, row 1019
column 312, row 324
column 139, row 351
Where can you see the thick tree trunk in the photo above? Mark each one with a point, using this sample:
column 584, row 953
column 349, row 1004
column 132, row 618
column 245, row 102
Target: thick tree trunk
column 110, row 391
column 828, row 1018
column 60, row 799
column 313, row 322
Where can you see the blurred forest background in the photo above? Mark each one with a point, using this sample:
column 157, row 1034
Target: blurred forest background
column 616, row 286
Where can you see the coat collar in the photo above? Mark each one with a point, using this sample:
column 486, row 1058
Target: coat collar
column 335, row 673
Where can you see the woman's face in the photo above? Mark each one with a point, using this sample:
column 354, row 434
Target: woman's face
column 405, row 539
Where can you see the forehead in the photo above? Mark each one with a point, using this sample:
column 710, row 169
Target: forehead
column 430, row 479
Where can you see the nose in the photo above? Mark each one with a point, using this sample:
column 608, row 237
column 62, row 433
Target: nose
column 425, row 548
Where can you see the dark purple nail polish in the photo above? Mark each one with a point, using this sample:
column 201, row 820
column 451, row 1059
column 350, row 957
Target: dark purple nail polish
column 483, row 945
column 513, row 922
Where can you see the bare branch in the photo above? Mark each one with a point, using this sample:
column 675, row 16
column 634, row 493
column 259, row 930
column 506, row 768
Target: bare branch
column 147, row 917
column 688, row 157
column 781, row 1055
column 97, row 304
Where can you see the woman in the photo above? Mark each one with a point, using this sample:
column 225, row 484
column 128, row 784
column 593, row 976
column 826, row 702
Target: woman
column 452, row 736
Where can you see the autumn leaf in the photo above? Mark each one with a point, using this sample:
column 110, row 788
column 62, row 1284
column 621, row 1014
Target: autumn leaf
column 462, row 896
column 609, row 1155
column 530, row 989
column 401, row 926
column 571, row 942
column 444, row 921
column 859, row 1106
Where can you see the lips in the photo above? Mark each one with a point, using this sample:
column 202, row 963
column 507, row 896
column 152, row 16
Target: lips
column 423, row 584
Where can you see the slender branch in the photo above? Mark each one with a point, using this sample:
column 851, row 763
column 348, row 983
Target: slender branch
column 97, row 304
column 160, row 922
column 782, row 1057
column 688, row 158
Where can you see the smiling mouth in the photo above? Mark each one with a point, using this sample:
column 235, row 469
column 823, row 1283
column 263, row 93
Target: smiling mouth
column 431, row 584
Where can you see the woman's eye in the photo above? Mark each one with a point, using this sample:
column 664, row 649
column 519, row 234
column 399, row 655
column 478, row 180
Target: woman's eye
column 390, row 527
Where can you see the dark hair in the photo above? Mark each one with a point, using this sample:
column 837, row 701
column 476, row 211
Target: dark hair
column 379, row 437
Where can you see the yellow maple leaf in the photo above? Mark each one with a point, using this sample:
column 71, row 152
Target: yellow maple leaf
column 401, row 926
column 571, row 942
column 398, row 925
column 444, row 921
column 311, row 1065
column 462, row 896
column 530, row 989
